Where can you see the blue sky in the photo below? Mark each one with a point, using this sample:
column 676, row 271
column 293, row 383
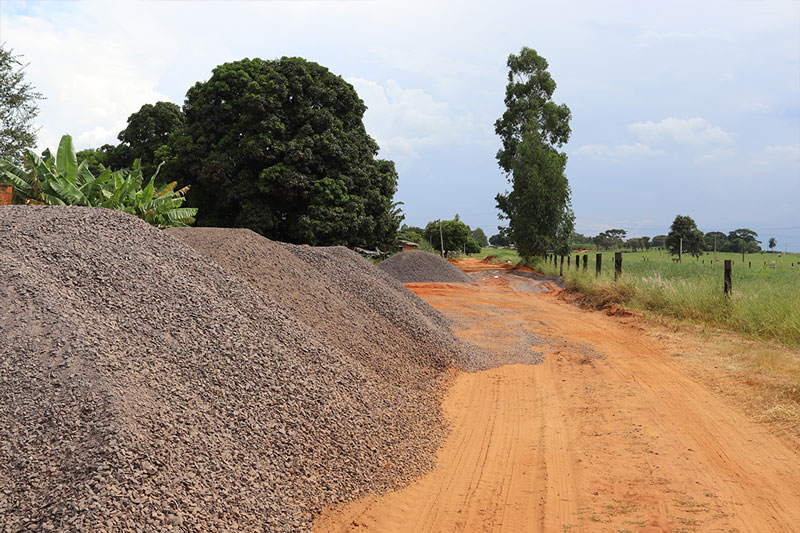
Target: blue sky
column 686, row 108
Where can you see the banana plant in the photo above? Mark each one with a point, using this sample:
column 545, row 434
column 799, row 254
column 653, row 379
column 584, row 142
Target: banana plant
column 60, row 180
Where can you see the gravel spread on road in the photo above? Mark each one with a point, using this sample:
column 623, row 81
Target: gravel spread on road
column 144, row 386
column 419, row 266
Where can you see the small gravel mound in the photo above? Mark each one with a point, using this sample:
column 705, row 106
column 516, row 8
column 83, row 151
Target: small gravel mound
column 418, row 266
column 144, row 386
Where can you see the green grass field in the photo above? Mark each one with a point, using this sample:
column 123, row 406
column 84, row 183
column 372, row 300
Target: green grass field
column 765, row 302
column 502, row 254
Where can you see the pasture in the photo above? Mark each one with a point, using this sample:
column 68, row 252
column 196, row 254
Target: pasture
column 765, row 302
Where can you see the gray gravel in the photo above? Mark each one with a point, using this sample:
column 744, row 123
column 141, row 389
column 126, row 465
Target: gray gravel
column 144, row 387
column 418, row 266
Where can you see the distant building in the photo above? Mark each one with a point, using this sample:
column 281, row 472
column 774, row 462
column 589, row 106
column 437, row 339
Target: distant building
column 408, row 245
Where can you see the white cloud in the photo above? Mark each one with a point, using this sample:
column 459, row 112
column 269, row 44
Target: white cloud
column 791, row 151
column 405, row 120
column 693, row 132
column 655, row 38
column 718, row 154
column 620, row 151
column 99, row 135
column 752, row 106
column 91, row 83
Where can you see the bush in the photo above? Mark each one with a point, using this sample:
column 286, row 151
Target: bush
column 62, row 181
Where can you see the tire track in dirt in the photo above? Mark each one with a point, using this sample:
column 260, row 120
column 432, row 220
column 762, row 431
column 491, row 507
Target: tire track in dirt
column 608, row 433
column 489, row 471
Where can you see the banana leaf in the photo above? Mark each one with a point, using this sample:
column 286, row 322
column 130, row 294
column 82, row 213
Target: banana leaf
column 66, row 161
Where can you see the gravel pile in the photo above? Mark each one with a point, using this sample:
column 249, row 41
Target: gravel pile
column 145, row 387
column 346, row 300
column 418, row 266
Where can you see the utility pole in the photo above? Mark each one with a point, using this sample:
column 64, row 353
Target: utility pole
column 715, row 248
column 441, row 238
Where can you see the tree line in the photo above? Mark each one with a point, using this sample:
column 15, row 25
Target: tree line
column 683, row 236
column 446, row 236
column 278, row 146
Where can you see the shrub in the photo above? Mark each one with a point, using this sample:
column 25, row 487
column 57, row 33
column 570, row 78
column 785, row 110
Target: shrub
column 61, row 180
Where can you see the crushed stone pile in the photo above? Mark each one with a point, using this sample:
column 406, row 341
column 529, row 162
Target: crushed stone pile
column 343, row 298
column 419, row 266
column 145, row 387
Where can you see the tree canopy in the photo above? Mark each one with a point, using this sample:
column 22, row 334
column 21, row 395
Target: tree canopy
column 743, row 240
column 715, row 240
column 147, row 136
column 658, row 241
column 532, row 130
column 479, row 236
column 280, row 147
column 18, row 108
column 454, row 235
column 498, row 239
column 611, row 238
column 579, row 241
column 635, row 243
column 684, row 227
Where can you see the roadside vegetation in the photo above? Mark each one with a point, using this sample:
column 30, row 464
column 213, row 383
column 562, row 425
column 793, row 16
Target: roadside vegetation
column 765, row 302
column 500, row 255
column 451, row 237
column 61, row 180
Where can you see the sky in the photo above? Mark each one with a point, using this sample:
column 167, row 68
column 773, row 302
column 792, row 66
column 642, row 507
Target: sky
column 689, row 108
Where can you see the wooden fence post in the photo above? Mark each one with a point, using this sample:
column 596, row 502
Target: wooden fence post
column 577, row 262
column 728, row 283
column 585, row 261
column 569, row 257
column 598, row 264
column 617, row 265
column 561, row 272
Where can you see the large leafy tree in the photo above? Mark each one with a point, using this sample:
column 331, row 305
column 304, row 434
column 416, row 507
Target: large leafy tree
column 743, row 240
column 479, row 236
column 611, row 238
column 532, row 130
column 715, row 240
column 280, row 147
column 453, row 234
column 635, row 243
column 498, row 240
column 658, row 241
column 147, row 136
column 18, row 108
column 684, row 227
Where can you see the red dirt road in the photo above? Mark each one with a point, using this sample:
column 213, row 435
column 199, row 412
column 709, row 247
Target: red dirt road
column 609, row 433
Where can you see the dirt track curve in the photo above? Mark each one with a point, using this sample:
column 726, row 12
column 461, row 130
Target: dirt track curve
column 608, row 433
